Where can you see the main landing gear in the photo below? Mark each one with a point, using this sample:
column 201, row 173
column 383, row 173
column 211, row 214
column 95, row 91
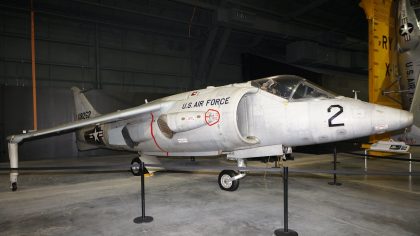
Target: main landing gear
column 229, row 179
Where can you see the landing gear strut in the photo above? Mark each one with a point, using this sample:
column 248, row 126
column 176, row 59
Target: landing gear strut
column 13, row 186
column 13, row 156
column 229, row 179
column 135, row 167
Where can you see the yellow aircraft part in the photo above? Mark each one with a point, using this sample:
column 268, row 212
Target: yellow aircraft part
column 383, row 67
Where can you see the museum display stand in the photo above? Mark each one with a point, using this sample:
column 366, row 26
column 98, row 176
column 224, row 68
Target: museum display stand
column 143, row 218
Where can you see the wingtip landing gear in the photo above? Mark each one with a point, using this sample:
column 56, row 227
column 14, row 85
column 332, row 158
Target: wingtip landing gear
column 135, row 166
column 13, row 186
column 13, row 156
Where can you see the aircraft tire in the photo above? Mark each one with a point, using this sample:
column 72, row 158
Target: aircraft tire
column 225, row 182
column 14, row 186
column 135, row 171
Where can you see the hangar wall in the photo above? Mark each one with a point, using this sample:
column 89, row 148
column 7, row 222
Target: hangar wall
column 92, row 55
column 56, row 107
column 123, row 62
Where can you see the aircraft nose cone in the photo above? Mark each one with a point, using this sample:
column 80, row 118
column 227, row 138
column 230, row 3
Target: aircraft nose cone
column 406, row 119
column 390, row 119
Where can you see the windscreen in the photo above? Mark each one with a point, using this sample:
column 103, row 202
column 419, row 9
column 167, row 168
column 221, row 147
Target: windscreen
column 291, row 87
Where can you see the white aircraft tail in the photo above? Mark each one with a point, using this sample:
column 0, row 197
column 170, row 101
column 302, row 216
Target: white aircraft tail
column 412, row 134
column 84, row 110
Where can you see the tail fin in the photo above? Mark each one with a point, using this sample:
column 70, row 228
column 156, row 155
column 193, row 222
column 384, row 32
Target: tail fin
column 84, row 110
column 412, row 135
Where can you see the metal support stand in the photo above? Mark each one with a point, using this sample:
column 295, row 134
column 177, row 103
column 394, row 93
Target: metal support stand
column 409, row 165
column 143, row 218
column 335, row 168
column 385, row 151
column 285, row 231
column 366, row 153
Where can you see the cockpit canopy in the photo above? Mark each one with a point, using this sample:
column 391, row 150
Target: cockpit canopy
column 291, row 87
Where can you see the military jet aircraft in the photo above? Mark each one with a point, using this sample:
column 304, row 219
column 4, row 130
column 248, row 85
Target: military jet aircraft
column 264, row 117
column 408, row 40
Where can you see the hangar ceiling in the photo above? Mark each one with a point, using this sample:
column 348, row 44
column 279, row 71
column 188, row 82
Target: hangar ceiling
column 183, row 44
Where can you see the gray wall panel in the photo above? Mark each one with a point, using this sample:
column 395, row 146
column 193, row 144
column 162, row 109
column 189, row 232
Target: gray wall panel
column 55, row 106
column 16, row 48
column 66, row 53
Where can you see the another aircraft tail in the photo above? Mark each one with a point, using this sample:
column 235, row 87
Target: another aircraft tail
column 412, row 134
column 84, row 110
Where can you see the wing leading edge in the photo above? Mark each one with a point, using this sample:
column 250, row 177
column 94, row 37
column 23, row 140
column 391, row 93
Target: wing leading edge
column 111, row 117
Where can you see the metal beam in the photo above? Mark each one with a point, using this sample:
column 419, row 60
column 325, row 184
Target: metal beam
column 205, row 54
column 219, row 51
column 83, row 19
column 303, row 10
column 197, row 3
column 40, row 38
column 117, row 69
column 285, row 18
column 33, row 66
column 97, row 58
column 187, row 22
column 93, row 83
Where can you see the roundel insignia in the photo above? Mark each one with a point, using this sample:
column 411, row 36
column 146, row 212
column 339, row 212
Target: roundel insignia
column 95, row 136
column 212, row 117
column 406, row 29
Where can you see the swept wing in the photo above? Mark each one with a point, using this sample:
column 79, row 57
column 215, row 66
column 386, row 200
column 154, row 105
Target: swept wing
column 111, row 117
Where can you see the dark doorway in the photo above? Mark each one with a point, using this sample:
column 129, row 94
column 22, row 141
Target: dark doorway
column 256, row 67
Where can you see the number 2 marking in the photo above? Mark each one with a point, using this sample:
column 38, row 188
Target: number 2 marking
column 330, row 120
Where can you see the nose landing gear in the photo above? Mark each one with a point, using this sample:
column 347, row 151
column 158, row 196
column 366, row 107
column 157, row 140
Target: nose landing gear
column 227, row 182
column 229, row 179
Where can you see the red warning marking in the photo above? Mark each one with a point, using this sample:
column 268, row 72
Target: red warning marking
column 153, row 136
column 212, row 117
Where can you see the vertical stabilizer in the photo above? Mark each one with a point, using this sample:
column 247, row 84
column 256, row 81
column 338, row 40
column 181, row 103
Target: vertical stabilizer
column 84, row 110
column 408, row 39
column 412, row 134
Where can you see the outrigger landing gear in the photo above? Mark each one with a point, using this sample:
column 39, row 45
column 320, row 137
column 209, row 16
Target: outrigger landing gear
column 229, row 179
column 135, row 167
column 13, row 186
column 13, row 156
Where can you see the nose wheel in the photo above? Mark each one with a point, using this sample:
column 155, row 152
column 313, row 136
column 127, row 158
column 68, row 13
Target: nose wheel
column 227, row 181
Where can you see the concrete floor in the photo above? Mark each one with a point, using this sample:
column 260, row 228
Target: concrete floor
column 192, row 203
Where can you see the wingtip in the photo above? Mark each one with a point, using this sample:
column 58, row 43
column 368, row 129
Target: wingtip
column 75, row 89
